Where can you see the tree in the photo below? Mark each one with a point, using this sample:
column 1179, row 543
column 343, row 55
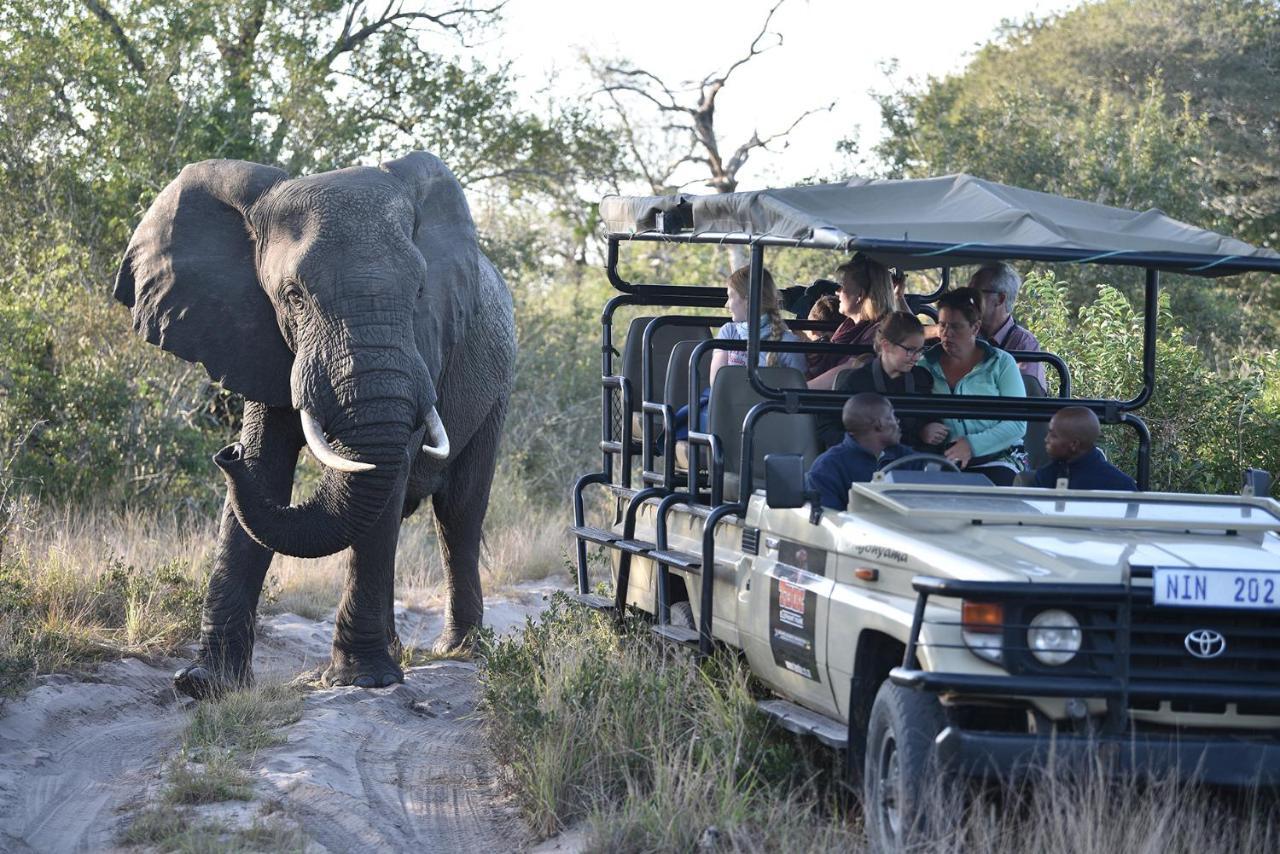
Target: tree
column 686, row 119
column 1172, row 103
column 101, row 104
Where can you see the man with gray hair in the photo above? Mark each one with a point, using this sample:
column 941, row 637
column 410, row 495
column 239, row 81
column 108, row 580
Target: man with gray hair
column 999, row 284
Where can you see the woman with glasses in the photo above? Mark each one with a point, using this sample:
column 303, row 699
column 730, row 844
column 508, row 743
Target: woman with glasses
column 899, row 344
column 866, row 298
column 962, row 363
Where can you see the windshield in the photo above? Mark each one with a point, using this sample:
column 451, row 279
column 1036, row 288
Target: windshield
column 986, row 506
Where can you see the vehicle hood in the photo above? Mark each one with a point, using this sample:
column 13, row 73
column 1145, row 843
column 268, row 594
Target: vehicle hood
column 1051, row 554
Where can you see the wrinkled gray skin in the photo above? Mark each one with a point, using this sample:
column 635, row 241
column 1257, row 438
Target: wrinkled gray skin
column 361, row 297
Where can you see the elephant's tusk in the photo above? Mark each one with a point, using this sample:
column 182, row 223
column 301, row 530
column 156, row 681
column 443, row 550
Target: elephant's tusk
column 321, row 449
column 436, row 434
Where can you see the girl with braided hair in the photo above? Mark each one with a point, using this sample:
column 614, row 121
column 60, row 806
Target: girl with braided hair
column 772, row 326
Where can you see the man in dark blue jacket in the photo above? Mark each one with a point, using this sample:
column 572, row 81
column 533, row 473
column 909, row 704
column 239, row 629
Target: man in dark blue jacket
column 872, row 438
column 1072, row 445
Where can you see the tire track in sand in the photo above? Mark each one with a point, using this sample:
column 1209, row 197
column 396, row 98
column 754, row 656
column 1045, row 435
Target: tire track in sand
column 404, row 768
column 74, row 753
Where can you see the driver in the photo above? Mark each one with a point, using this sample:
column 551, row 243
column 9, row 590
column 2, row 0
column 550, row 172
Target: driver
column 872, row 438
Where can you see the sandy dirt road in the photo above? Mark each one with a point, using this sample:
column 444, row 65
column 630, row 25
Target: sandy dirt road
column 404, row 768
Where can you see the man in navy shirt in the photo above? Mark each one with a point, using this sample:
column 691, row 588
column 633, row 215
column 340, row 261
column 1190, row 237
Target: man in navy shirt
column 872, row 438
column 1072, row 445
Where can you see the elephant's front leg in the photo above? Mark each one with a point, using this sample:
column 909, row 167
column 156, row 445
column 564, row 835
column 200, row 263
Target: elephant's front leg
column 272, row 438
column 366, row 621
column 460, row 509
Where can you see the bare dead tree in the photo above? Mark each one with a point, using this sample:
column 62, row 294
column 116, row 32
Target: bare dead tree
column 686, row 131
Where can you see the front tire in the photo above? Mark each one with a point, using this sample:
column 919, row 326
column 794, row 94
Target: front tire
column 901, row 767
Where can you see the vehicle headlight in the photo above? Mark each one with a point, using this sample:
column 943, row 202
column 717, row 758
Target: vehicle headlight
column 1054, row 637
column 982, row 626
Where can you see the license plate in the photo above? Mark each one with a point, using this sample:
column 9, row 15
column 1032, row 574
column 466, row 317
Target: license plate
column 1216, row 588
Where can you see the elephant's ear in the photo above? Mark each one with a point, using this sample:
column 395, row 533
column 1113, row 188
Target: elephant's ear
column 190, row 277
column 446, row 236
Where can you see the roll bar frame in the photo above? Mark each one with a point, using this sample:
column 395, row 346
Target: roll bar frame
column 670, row 493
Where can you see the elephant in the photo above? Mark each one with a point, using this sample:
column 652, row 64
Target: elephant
column 356, row 314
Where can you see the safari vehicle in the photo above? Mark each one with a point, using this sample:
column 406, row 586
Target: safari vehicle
column 938, row 617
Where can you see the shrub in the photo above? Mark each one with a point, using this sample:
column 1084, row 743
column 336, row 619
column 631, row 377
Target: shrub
column 653, row 751
column 87, row 410
column 1206, row 425
column 56, row 615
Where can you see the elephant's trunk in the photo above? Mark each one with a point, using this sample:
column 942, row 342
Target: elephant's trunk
column 344, row 505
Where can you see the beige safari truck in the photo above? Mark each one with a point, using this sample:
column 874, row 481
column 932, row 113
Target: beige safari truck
column 939, row 621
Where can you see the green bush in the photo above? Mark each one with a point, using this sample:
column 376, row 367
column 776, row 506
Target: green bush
column 1206, row 425
column 89, row 411
column 611, row 726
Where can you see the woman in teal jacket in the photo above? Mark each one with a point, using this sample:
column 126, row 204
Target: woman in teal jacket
column 963, row 364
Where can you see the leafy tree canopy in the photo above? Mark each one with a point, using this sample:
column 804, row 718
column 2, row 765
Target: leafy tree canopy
column 1166, row 103
column 103, row 103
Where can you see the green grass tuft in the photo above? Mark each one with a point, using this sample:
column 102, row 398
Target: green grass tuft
column 244, row 720
column 615, row 728
column 218, row 778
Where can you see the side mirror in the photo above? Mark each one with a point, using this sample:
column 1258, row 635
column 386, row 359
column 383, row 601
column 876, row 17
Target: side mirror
column 784, row 480
column 1256, row 482
column 784, row 485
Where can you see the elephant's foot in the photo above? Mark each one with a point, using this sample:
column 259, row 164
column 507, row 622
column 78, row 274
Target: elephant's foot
column 363, row 670
column 456, row 640
column 202, row 681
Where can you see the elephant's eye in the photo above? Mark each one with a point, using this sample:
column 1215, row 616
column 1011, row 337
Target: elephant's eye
column 293, row 296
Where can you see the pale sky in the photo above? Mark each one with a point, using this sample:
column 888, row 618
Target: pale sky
column 831, row 50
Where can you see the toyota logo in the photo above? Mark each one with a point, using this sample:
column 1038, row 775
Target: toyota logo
column 1205, row 643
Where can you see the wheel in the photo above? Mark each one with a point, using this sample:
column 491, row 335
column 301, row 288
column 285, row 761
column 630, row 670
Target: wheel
column 901, row 767
column 682, row 615
column 919, row 458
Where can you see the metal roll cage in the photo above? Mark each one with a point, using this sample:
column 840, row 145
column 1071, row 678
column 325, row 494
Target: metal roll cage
column 666, row 486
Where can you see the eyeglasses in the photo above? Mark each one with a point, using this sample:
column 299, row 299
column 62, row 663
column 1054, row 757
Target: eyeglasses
column 911, row 352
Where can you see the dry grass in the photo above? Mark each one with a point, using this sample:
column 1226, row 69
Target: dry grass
column 78, row 586
column 218, row 745
column 652, row 752
column 1087, row 811
column 524, row 541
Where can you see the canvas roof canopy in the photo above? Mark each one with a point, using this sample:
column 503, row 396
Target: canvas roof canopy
column 933, row 222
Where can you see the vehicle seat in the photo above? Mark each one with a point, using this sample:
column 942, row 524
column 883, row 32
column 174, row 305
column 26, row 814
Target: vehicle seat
column 840, row 377
column 664, row 341
column 1033, row 441
column 731, row 399
column 676, row 391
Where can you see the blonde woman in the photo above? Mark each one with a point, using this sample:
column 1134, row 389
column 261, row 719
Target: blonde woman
column 866, row 298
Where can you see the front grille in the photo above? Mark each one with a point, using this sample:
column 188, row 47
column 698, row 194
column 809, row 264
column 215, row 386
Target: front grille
column 1157, row 648
column 1155, row 637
